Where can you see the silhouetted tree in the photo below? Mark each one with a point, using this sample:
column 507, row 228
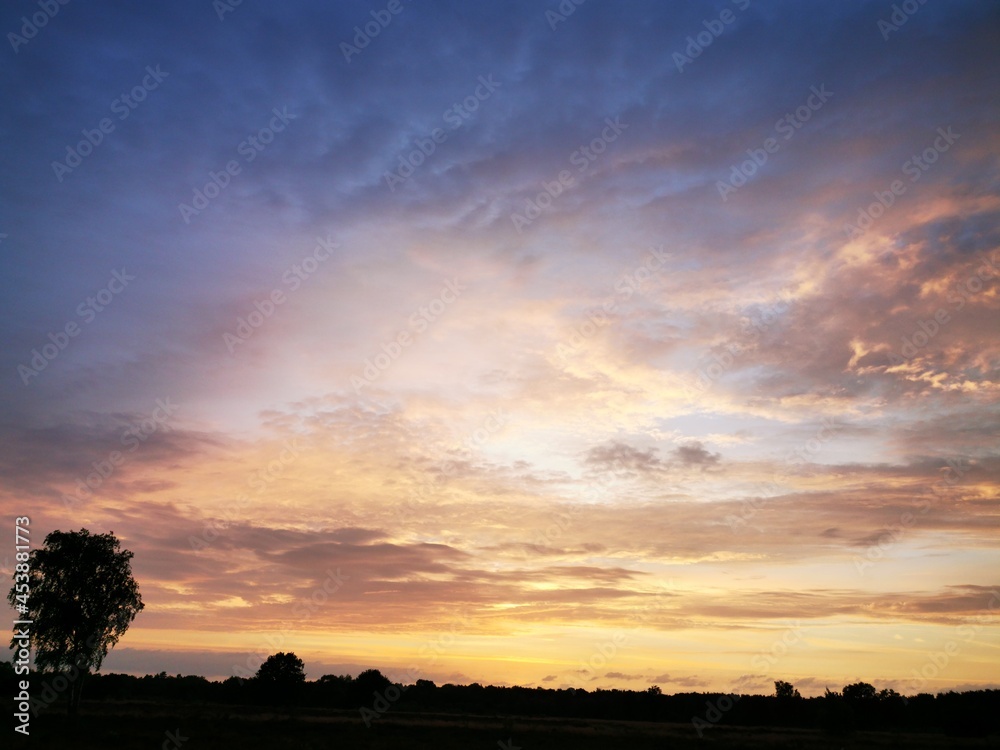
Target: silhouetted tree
column 971, row 713
column 838, row 717
column 863, row 701
column 282, row 669
column 785, row 690
column 280, row 677
column 82, row 598
column 365, row 684
column 8, row 678
column 372, row 679
column 333, row 689
column 859, row 691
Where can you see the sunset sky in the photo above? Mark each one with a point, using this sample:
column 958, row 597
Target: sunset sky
column 597, row 345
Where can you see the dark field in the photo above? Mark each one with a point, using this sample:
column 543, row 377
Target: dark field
column 173, row 726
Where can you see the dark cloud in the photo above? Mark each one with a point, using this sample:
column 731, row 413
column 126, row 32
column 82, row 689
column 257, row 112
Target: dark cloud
column 694, row 454
column 622, row 457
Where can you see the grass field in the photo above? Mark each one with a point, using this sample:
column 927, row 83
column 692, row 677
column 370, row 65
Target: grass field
column 172, row 727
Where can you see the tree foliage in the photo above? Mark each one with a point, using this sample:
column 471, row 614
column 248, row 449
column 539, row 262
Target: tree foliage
column 282, row 670
column 81, row 598
column 280, row 679
column 785, row 690
column 860, row 691
column 372, row 679
column 970, row 714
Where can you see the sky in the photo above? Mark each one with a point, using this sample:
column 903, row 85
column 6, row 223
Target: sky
column 574, row 344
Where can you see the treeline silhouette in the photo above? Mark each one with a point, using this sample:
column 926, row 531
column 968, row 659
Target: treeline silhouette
column 855, row 707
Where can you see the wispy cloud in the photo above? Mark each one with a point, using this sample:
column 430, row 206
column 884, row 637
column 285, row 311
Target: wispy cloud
column 748, row 397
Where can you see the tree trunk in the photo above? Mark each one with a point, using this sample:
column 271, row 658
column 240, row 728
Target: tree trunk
column 75, row 693
column 71, row 702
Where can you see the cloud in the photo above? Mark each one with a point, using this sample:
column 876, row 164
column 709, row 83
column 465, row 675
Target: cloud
column 765, row 319
column 753, row 684
column 621, row 457
column 694, row 454
column 688, row 681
